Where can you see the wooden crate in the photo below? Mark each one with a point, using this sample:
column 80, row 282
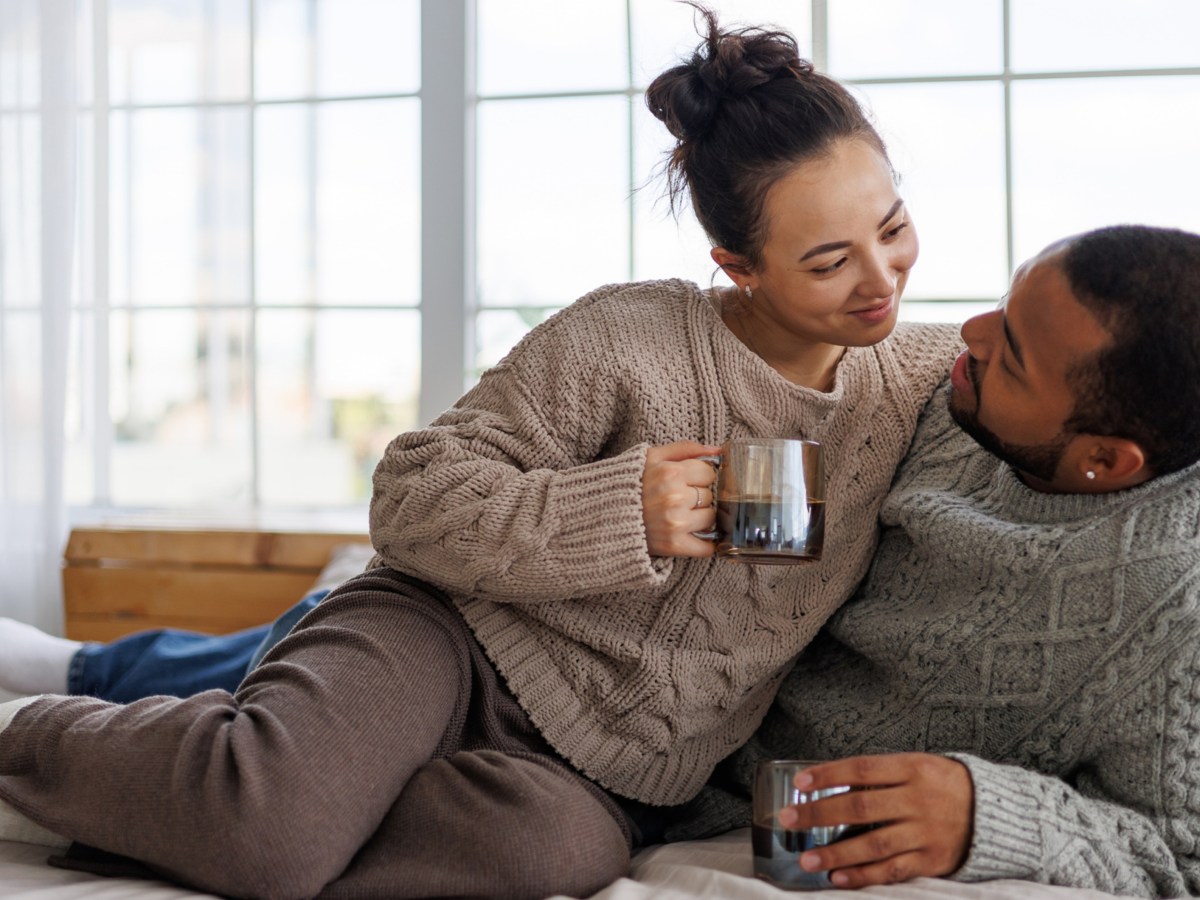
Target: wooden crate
column 120, row 579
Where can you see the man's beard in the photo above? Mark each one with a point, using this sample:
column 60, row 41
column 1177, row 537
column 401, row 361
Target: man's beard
column 1038, row 460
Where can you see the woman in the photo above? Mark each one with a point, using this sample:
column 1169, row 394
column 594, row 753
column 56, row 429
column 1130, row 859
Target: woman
column 543, row 648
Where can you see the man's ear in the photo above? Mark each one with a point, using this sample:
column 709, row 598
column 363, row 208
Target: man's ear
column 1115, row 462
column 732, row 264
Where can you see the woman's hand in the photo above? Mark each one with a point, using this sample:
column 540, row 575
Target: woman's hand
column 923, row 806
column 677, row 499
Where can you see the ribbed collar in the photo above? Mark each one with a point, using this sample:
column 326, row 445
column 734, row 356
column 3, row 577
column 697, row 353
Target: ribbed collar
column 1011, row 495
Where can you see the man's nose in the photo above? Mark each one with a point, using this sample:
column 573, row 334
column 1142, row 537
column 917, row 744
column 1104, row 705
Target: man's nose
column 978, row 333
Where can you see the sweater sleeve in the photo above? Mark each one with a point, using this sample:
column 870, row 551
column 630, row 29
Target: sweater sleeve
column 515, row 494
column 266, row 793
column 1126, row 822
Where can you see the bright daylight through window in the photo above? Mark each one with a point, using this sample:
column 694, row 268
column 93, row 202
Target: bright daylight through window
column 264, row 295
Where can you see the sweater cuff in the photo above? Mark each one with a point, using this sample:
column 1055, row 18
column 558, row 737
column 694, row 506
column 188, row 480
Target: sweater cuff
column 1007, row 839
column 608, row 527
column 13, row 825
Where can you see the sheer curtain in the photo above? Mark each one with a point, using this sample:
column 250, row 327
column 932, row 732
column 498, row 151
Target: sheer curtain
column 41, row 104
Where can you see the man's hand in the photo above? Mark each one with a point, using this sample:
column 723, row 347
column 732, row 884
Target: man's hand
column 922, row 805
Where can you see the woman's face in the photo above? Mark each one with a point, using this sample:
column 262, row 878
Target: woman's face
column 839, row 244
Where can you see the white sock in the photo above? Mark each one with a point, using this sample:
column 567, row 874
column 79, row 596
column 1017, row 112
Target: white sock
column 33, row 662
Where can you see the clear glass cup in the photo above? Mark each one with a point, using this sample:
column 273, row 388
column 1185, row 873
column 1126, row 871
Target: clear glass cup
column 777, row 849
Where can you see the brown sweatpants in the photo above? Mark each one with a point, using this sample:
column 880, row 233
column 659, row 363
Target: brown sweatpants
column 374, row 753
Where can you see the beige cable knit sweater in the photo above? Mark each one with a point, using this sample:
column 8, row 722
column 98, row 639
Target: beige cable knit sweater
column 524, row 503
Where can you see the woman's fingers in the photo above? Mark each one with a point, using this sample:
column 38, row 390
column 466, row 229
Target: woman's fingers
column 677, row 499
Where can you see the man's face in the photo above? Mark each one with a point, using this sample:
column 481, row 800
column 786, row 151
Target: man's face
column 1010, row 389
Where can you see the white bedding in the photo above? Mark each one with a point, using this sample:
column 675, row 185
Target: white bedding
column 716, row 868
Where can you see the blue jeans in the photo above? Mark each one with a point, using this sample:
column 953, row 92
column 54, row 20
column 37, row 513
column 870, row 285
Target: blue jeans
column 177, row 663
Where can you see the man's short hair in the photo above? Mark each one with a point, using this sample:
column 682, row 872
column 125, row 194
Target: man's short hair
column 1143, row 285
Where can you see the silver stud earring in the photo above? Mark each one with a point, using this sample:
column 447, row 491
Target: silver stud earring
column 1091, row 476
column 749, row 293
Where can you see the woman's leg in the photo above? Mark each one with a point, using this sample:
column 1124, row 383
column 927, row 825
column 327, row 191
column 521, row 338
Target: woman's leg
column 489, row 824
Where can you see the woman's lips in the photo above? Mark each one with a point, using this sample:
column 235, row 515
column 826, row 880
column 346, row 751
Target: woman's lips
column 959, row 379
column 874, row 314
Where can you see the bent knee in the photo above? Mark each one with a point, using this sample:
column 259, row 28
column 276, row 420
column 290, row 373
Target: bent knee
column 537, row 829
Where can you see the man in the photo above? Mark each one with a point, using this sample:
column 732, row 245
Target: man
column 1017, row 678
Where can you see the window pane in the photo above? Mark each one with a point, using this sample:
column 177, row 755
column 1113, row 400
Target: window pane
column 1076, row 167
column 497, row 332
column 307, row 48
column 338, row 202
column 179, row 408
column 665, row 33
column 552, row 214
column 665, row 245
column 946, row 141
column 172, row 51
column 944, row 311
column 20, row 213
column 1061, row 35
column 334, row 388
column 869, row 39
column 543, row 46
column 81, row 416
column 179, row 206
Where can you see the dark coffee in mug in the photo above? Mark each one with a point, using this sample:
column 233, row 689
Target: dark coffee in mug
column 770, row 499
column 770, row 530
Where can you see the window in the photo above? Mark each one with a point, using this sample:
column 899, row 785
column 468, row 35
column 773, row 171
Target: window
column 1010, row 122
column 307, row 225
column 252, row 324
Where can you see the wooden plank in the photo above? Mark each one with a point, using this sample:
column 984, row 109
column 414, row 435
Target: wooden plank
column 216, row 547
column 254, row 596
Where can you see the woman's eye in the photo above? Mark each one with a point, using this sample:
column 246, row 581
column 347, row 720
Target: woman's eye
column 895, row 231
column 825, row 270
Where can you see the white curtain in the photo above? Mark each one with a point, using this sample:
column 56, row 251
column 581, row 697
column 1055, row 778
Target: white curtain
column 41, row 102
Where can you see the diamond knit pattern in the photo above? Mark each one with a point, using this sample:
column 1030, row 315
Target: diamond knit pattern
column 1050, row 642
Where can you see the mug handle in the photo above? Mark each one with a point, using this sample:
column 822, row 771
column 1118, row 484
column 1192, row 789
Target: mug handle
column 715, row 462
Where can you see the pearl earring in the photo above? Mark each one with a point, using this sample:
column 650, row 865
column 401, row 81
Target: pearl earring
column 749, row 293
column 1091, row 476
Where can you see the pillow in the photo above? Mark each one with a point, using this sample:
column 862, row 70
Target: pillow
column 346, row 561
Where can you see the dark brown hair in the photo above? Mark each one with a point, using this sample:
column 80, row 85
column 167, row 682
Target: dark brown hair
column 745, row 109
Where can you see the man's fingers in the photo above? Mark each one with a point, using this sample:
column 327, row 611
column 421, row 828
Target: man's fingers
column 887, row 871
column 868, row 848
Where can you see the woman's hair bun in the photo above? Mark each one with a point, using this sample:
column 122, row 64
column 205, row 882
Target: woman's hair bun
column 727, row 66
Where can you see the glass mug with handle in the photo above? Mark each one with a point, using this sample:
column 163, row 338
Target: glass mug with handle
column 770, row 500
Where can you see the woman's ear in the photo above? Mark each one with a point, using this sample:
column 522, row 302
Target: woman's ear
column 732, row 264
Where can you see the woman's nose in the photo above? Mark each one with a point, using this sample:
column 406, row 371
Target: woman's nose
column 879, row 277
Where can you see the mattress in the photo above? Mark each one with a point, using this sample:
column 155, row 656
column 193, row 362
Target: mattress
column 716, row 868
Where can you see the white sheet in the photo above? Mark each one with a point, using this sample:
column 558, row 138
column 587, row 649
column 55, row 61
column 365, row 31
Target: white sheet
column 716, row 868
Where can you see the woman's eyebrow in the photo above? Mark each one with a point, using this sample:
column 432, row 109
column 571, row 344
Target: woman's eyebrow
column 891, row 212
column 842, row 245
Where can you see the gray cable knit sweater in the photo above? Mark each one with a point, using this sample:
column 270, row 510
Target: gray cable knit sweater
column 1050, row 642
column 523, row 502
